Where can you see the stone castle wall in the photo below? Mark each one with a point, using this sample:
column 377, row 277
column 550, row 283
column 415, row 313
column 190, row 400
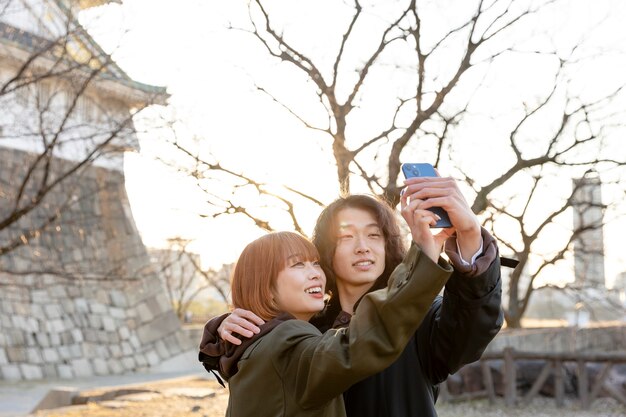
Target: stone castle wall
column 80, row 297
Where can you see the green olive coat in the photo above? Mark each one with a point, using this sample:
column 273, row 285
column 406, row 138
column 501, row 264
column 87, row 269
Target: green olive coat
column 293, row 370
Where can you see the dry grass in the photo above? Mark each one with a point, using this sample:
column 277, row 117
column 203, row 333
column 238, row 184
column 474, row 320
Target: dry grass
column 197, row 397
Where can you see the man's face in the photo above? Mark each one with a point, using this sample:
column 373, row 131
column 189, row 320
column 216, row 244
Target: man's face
column 359, row 257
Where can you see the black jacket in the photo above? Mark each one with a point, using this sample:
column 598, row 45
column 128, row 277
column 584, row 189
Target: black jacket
column 455, row 332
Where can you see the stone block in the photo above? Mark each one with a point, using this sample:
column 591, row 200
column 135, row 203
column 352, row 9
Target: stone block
column 118, row 299
column 90, row 335
column 127, row 350
column 3, row 357
column 152, row 357
column 33, row 355
column 124, row 333
column 134, row 341
column 76, row 351
column 117, row 313
column 81, row 367
column 37, row 311
column 7, row 308
column 30, row 339
column 40, row 296
column 16, row 337
column 19, row 322
column 95, row 321
column 144, row 313
column 103, row 337
column 113, row 337
column 115, row 366
column 162, row 349
column 58, row 292
column 11, row 372
column 163, row 301
column 31, row 372
column 55, row 339
column 77, row 335
column 101, row 351
column 156, row 308
column 32, row 325
column 20, row 309
column 109, row 324
column 42, row 339
column 100, row 366
column 103, row 297
column 81, row 305
column 65, row 371
column 16, row 354
column 116, row 351
column 140, row 360
column 184, row 342
column 90, row 350
column 98, row 308
column 50, row 355
column 66, row 338
column 72, row 291
column 57, row 397
column 64, row 352
column 172, row 344
column 53, row 311
column 3, row 339
column 55, row 326
column 155, row 330
column 128, row 363
column 50, row 371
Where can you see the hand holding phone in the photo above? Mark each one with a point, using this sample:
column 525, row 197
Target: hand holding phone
column 411, row 170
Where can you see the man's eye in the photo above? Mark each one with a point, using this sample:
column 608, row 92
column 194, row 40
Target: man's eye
column 375, row 235
column 345, row 236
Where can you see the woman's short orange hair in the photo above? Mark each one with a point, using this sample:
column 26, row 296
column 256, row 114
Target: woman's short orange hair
column 254, row 277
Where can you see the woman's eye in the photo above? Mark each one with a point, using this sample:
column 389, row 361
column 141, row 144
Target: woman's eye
column 375, row 235
column 316, row 263
column 297, row 264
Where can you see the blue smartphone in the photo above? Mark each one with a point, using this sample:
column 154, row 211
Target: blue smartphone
column 426, row 170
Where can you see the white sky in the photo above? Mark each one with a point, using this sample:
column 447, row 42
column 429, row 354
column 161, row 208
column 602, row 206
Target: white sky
column 185, row 45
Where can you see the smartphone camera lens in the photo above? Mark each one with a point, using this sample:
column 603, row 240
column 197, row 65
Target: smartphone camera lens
column 415, row 171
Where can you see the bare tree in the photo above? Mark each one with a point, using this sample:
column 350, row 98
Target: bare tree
column 184, row 278
column 62, row 143
column 531, row 150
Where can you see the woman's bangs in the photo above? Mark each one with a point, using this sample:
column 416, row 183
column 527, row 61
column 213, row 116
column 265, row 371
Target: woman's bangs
column 297, row 246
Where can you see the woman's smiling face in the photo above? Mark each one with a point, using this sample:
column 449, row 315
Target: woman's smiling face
column 300, row 287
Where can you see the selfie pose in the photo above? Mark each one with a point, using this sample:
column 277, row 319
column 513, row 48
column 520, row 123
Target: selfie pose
column 360, row 245
column 286, row 367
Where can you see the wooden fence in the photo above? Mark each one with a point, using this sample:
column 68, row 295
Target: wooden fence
column 554, row 365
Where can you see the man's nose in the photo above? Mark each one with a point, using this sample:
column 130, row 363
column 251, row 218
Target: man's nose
column 361, row 245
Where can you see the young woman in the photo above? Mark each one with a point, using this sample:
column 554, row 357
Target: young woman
column 289, row 368
column 360, row 244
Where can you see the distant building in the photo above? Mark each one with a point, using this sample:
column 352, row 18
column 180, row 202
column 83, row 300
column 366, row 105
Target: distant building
column 589, row 246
